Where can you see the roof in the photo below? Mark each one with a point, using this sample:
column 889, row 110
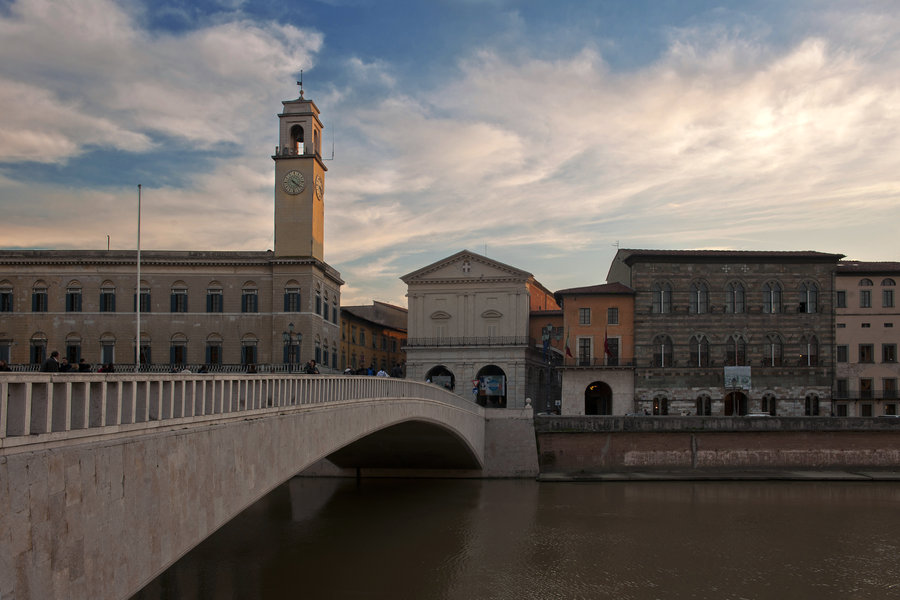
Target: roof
column 603, row 288
column 630, row 256
column 858, row 266
column 380, row 313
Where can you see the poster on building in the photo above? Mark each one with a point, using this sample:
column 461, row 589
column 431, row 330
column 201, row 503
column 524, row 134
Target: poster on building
column 493, row 385
column 737, row 378
column 442, row 380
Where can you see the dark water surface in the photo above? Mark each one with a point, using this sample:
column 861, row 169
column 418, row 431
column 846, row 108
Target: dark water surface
column 452, row 539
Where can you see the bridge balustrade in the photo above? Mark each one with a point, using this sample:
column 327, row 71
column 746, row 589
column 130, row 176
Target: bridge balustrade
column 40, row 407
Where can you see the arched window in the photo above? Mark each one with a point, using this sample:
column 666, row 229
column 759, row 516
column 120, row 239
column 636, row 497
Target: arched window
column 774, row 350
column 704, row 405
column 736, row 351
column 809, row 298
column 699, row 351
column 660, row 405
column 768, row 404
column 662, row 351
column 178, row 299
column 292, row 296
column 39, row 297
column 887, row 296
column 297, row 140
column 809, row 351
column 699, row 298
column 888, row 282
column 108, row 297
column 734, row 297
column 73, row 297
column 662, row 297
column 6, row 296
column 249, row 299
column 772, row 297
column 865, row 282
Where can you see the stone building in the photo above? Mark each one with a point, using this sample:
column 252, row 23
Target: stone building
column 373, row 336
column 221, row 309
column 469, row 322
column 730, row 332
column 598, row 354
column 866, row 336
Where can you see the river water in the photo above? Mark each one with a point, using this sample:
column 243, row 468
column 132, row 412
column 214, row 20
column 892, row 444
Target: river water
column 511, row 539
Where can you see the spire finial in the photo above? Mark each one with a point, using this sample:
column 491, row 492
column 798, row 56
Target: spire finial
column 300, row 83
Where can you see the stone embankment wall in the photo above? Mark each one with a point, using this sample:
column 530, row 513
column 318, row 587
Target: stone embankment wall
column 598, row 445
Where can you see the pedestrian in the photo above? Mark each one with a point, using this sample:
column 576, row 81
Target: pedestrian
column 4, row 367
column 64, row 366
column 51, row 365
column 84, row 366
column 382, row 373
column 311, row 368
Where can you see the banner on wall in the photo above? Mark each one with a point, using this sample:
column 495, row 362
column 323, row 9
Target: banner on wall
column 737, row 378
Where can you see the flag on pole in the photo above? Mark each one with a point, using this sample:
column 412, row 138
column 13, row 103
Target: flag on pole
column 606, row 349
column 568, row 352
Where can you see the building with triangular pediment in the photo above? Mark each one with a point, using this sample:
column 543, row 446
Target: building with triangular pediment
column 216, row 310
column 469, row 330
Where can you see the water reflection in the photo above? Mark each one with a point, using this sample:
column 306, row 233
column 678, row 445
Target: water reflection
column 449, row 539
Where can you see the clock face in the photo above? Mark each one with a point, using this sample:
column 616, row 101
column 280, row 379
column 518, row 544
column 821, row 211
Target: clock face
column 320, row 187
column 293, row 182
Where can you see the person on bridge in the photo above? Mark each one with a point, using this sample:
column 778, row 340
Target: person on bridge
column 382, row 373
column 311, row 368
column 51, row 365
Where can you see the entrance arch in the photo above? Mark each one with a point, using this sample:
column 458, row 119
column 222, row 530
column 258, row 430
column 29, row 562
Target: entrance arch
column 442, row 376
column 598, row 399
column 491, row 386
column 735, row 404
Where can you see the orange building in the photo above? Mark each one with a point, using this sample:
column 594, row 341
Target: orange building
column 598, row 350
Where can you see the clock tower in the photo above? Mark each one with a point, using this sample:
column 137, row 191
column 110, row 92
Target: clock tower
column 299, row 182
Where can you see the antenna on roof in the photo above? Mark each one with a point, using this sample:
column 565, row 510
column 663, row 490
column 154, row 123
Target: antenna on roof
column 300, row 83
column 332, row 145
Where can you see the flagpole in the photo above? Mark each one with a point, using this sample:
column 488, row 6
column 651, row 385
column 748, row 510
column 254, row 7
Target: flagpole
column 137, row 297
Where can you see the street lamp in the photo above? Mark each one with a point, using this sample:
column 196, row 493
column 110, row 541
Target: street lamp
column 290, row 339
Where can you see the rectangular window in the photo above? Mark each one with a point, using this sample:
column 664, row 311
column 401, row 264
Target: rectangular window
column 890, row 409
column 889, row 388
column 107, row 301
column 584, row 351
column 887, row 298
column 73, row 300
column 249, row 301
column 177, row 353
column 362, row 337
column 889, row 353
column 73, row 353
column 179, row 301
column 866, row 353
column 5, row 346
column 584, row 316
column 214, row 301
column 843, row 354
column 888, row 325
column 318, row 303
column 612, row 352
column 38, row 352
column 865, row 298
column 39, row 300
column 108, row 353
column 292, row 300
column 145, row 301
column 612, row 316
column 865, row 410
column 841, row 325
column 840, row 299
column 865, row 389
column 842, row 389
column 6, row 300
column 248, row 354
column 841, row 410
column 145, row 353
column 866, row 325
column 214, row 353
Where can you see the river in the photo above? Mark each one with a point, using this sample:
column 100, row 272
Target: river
column 519, row 539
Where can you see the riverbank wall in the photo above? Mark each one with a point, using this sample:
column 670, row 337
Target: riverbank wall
column 594, row 447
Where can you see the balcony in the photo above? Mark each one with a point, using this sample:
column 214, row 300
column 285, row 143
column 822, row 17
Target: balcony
column 515, row 340
column 865, row 395
column 596, row 362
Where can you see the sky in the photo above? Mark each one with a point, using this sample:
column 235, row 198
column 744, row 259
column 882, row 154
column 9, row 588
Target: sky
column 541, row 134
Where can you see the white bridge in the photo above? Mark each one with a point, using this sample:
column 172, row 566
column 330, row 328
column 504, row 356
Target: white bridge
column 105, row 480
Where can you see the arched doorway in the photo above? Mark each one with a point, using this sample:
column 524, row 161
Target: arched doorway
column 598, row 399
column 735, row 404
column 491, row 387
column 442, row 376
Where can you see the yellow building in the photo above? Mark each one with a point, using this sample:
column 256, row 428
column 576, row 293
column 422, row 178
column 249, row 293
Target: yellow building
column 374, row 336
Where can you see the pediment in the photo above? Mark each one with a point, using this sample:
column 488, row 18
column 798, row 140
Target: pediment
column 491, row 314
column 466, row 266
column 440, row 315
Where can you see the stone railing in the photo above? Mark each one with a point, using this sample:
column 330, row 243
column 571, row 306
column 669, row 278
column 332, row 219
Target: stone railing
column 44, row 407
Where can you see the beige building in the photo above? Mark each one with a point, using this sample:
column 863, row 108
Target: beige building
column 225, row 310
column 866, row 336
column 469, row 319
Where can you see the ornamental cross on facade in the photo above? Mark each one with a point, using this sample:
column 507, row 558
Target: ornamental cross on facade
column 466, row 267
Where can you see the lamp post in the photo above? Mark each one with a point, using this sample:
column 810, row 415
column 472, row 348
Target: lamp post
column 291, row 339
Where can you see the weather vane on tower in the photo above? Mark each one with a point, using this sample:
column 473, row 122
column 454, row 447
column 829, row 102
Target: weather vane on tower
column 300, row 83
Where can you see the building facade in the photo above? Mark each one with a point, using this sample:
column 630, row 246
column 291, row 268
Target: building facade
column 469, row 323
column 200, row 309
column 866, row 337
column 730, row 332
column 374, row 336
column 598, row 355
